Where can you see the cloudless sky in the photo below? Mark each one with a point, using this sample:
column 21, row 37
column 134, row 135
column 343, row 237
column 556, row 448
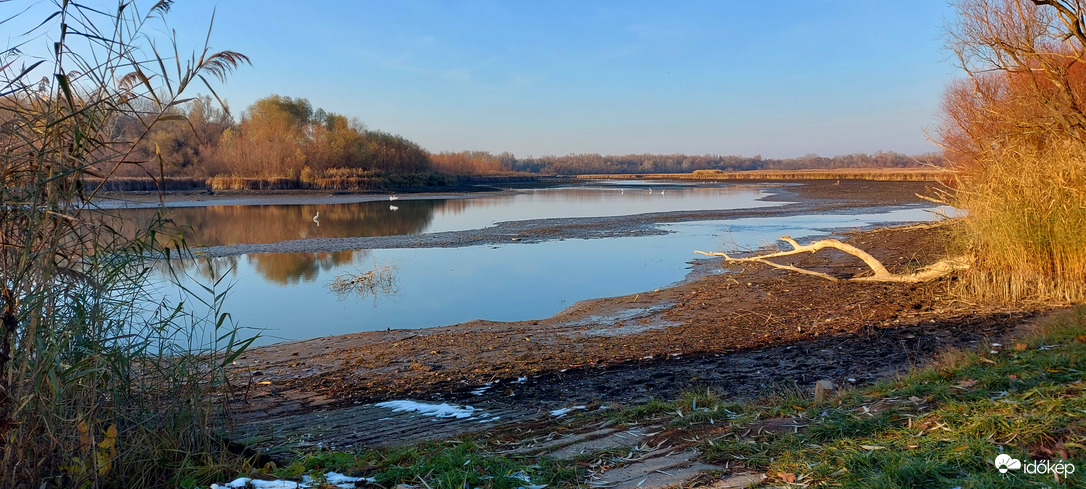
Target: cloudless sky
column 780, row 79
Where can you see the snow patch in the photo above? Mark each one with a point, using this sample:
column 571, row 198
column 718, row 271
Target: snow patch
column 333, row 478
column 558, row 413
column 521, row 476
column 443, row 410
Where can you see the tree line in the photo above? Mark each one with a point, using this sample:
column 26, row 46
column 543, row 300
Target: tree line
column 680, row 163
column 277, row 137
column 280, row 137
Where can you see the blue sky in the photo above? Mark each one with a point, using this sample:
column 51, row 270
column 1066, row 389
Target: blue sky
column 780, row 79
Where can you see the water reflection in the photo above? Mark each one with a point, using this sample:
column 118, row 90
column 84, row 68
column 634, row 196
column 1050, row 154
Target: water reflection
column 255, row 224
column 204, row 269
column 292, row 268
column 439, row 286
column 275, row 268
column 234, row 224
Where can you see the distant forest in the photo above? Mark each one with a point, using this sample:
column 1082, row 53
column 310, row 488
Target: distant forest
column 286, row 138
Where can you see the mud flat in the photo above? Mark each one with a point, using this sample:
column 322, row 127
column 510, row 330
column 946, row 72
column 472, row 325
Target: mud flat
column 739, row 332
column 803, row 198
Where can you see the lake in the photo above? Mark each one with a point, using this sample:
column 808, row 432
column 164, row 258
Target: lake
column 288, row 296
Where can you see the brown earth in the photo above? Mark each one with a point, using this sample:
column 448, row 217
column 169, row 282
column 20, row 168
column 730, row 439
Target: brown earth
column 739, row 329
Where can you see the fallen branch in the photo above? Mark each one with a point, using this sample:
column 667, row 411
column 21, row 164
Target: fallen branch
column 940, row 269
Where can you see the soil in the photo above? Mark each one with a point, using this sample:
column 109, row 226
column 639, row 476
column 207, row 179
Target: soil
column 738, row 329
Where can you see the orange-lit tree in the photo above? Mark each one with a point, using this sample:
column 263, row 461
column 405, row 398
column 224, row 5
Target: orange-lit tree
column 1015, row 129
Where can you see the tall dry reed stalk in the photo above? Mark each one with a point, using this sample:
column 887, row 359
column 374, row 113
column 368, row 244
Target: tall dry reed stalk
column 1015, row 129
column 103, row 383
column 1027, row 223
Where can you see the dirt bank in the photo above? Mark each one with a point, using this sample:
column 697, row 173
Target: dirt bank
column 738, row 332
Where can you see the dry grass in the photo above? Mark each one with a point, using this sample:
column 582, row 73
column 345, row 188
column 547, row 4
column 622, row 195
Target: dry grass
column 144, row 184
column 103, row 382
column 333, row 179
column 1026, row 223
column 880, row 174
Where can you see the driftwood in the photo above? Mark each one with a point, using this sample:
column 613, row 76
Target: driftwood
column 940, row 269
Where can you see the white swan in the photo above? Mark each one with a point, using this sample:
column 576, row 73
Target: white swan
column 393, row 208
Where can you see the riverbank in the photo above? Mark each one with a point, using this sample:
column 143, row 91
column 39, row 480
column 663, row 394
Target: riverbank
column 997, row 414
column 737, row 333
column 921, row 174
column 794, row 198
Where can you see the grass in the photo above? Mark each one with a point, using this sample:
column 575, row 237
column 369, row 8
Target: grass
column 938, row 426
column 345, row 179
column 452, row 464
column 103, row 382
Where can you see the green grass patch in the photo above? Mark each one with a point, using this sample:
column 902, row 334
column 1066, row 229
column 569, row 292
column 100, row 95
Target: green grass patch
column 453, row 464
column 940, row 426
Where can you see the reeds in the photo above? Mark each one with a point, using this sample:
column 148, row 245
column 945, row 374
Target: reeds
column 928, row 174
column 103, row 382
column 1026, row 223
column 1015, row 130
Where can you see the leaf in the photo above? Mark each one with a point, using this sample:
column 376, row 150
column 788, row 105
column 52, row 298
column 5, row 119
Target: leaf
column 84, row 434
column 872, row 447
column 787, row 477
column 111, row 438
column 965, row 384
column 65, row 87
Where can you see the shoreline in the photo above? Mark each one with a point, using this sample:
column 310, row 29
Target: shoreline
column 795, row 198
column 737, row 329
column 739, row 333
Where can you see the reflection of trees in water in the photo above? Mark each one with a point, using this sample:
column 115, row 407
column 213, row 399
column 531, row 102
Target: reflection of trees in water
column 280, row 268
column 244, row 224
column 291, row 268
column 205, row 269
column 634, row 192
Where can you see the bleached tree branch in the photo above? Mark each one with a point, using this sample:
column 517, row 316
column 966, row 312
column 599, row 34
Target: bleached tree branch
column 940, row 269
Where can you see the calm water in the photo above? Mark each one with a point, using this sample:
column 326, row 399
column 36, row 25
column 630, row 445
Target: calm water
column 288, row 295
column 239, row 224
